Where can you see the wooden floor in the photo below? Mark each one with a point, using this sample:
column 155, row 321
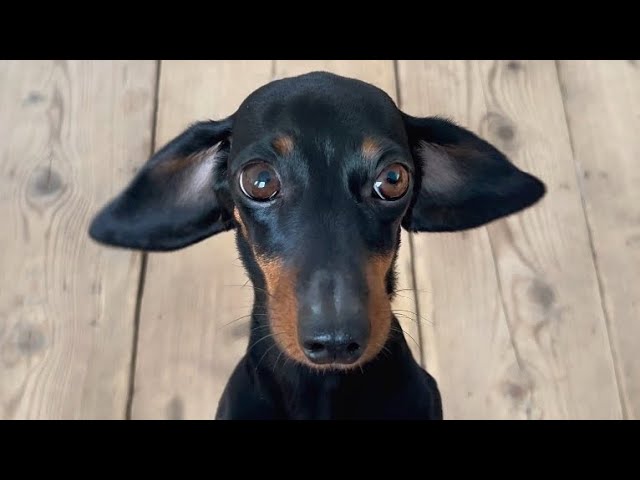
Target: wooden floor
column 533, row 317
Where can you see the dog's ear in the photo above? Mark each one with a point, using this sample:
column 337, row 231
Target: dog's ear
column 463, row 181
column 173, row 201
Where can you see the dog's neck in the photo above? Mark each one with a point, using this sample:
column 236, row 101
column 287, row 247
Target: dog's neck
column 273, row 369
column 307, row 392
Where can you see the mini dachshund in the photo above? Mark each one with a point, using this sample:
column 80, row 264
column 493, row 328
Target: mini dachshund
column 318, row 174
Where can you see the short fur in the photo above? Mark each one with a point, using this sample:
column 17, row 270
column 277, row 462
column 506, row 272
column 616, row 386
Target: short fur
column 321, row 253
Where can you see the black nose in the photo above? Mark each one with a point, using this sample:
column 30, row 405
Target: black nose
column 338, row 347
column 333, row 321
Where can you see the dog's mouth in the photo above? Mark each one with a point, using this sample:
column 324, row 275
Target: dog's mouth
column 318, row 355
column 348, row 347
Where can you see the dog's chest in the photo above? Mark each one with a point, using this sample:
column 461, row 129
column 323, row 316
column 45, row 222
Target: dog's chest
column 330, row 398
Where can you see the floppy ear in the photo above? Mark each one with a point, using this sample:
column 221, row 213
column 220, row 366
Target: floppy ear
column 174, row 200
column 463, row 181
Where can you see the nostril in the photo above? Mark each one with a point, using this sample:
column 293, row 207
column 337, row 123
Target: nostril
column 317, row 352
column 353, row 347
column 314, row 347
column 336, row 347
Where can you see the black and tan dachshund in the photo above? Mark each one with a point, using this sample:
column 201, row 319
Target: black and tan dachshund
column 318, row 174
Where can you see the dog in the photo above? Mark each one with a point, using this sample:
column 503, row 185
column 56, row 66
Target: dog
column 318, row 174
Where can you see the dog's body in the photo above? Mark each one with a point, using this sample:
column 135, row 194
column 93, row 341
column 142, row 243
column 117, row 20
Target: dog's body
column 393, row 386
column 318, row 173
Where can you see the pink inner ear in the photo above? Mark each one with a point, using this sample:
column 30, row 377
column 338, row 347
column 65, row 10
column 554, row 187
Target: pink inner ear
column 190, row 178
column 441, row 172
column 198, row 180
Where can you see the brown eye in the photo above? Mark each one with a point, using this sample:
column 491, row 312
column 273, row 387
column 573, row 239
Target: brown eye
column 392, row 183
column 259, row 181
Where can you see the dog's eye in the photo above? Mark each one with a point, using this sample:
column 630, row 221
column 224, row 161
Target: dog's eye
column 259, row 181
column 392, row 183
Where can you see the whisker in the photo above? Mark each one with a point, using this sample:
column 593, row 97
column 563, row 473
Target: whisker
column 411, row 289
column 253, row 286
column 245, row 316
column 238, row 307
column 237, row 319
column 384, row 350
column 263, row 355
column 416, row 320
column 286, row 360
column 408, row 334
column 402, row 316
column 262, row 289
column 252, row 329
column 276, row 362
column 264, row 338
column 414, row 313
column 259, row 327
column 403, row 296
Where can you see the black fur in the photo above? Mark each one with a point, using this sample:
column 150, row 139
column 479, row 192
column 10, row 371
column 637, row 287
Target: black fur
column 392, row 386
column 493, row 187
column 146, row 215
column 325, row 220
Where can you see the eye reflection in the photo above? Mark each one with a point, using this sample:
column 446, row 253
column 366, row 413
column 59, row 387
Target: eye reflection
column 259, row 181
column 392, row 183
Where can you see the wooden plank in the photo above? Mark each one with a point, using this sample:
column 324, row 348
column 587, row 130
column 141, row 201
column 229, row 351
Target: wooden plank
column 602, row 101
column 548, row 278
column 186, row 350
column 466, row 344
column 381, row 74
column 72, row 134
column 545, row 275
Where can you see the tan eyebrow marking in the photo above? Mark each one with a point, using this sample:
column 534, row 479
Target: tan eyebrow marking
column 283, row 144
column 370, row 148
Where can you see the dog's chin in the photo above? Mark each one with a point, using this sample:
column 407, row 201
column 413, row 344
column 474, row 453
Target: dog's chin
column 356, row 367
column 334, row 367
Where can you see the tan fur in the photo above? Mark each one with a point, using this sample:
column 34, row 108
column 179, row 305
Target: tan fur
column 176, row 165
column 240, row 222
column 370, row 148
column 379, row 309
column 283, row 145
column 283, row 306
column 189, row 175
column 379, row 305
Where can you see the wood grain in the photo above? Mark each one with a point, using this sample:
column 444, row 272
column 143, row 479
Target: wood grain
column 515, row 322
column 72, row 134
column 602, row 101
column 467, row 346
column 187, row 346
column 381, row 74
column 544, row 258
column 545, row 276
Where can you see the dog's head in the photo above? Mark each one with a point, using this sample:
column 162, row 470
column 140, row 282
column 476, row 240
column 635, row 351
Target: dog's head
column 318, row 173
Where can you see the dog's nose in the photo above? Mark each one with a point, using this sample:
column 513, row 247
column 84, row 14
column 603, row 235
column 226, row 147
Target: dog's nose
column 337, row 347
column 333, row 317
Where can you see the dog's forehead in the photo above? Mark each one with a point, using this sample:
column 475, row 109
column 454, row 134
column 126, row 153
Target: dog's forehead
column 319, row 104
